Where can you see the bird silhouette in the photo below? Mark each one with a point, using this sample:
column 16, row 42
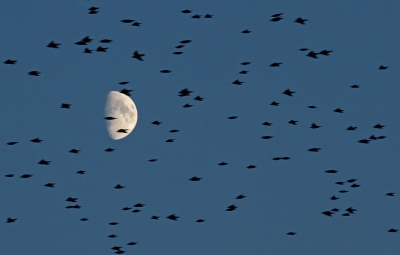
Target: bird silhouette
column 231, row 208
column 383, row 67
column 331, row 171
column 12, row 143
column 338, row 110
column 237, row 82
column 25, row 176
column 138, row 56
column 300, row 21
column 50, row 185
column 54, row 45
column 10, row 62
column 172, row 217
column 127, row 20
column 119, row 186
column 36, row 140
column 65, row 106
column 75, row 151
column 240, row 196
column 11, row 220
column 195, row 179
column 109, row 150
column 275, row 64
column 288, row 92
column 314, row 149
column 44, row 162
column 246, row 31
column 101, row 49
column 208, row 16
column 314, row 126
column 186, row 11
column 34, row 73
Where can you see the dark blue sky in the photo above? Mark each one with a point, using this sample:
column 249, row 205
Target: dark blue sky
column 281, row 195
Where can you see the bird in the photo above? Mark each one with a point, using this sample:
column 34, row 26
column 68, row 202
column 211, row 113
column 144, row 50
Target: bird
column 222, row 164
column 170, row 141
column 84, row 41
column 291, row 233
column 165, row 71
column 75, row 151
column 293, row 122
column 312, row 54
column 276, row 15
column 275, row 64
column 325, row 52
column 12, row 143
column 136, row 24
column 136, row 211
column 314, row 126
column 275, row 19
column 267, row 123
column 339, row 183
column 177, row 52
column 54, row 45
column 195, row 179
column 110, row 118
column 237, row 82
column 343, row 191
column 123, row 82
column 300, row 21
column 113, row 223
column 131, row 243
column 101, row 49
column 34, row 73
column 334, row 198
column 383, row 67
column 198, row 98
column 379, row 126
column 106, row 41
column 267, row 137
column 84, row 219
column 137, row 55
column 243, row 72
column 246, row 31
column 72, row 199
column 185, row 41
column 187, row 106
column 36, row 140
column 231, row 208
column 127, row 20
column 10, row 62
column 355, row 86
column 11, row 220
column 251, row 167
column 200, row 220
column 25, row 176
column 44, row 162
column 274, row 103
column 186, row 11
column 155, row 217
column 139, row 205
column 355, row 185
column 312, row 107
column 109, row 150
column 392, row 230
column 232, row 117
column 81, row 172
column 327, row 213
column 314, row 149
column 208, row 16
column 245, row 63
column 335, row 210
column 65, row 106
column 351, row 128
column 352, row 180
column 180, row 46
column 126, row 208
column 119, row 186
column 303, row 49
column 50, row 185
column 240, row 196
column 288, row 92
column 122, row 130
column 174, row 131
column 126, row 92
column 9, row 175
column 285, row 158
column 172, row 217
column 365, row 141
column 390, row 194
column 338, row 110
column 351, row 210
column 332, row 171
column 184, row 92
column 197, row 16
column 156, row 122
column 86, row 50
column 112, row 236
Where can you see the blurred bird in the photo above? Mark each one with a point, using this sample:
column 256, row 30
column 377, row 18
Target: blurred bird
column 11, row 220
column 231, row 208
column 195, row 179
column 101, row 49
column 81, row 172
column 186, row 11
column 54, row 45
column 275, row 103
column 25, row 176
column 137, row 55
column 208, row 16
column 119, row 186
column 165, row 71
column 10, row 62
column 36, row 140
column 127, row 20
column 200, row 220
column 75, row 151
column 109, row 150
column 246, row 31
column 172, row 217
column 300, row 21
column 44, row 162
column 339, row 110
column 312, row 54
column 288, row 92
column 314, row 126
column 12, row 143
column 275, row 64
column 332, row 171
column 50, row 185
column 240, row 196
column 314, row 149
column 237, row 82
column 65, row 106
column 156, row 122
column 34, row 73
column 383, row 67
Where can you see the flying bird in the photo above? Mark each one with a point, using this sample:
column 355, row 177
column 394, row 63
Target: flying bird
column 75, row 151
column 300, row 21
column 291, row 233
column 172, row 217
column 240, row 196
column 12, row 143
column 314, row 126
column 44, row 162
column 275, row 64
column 126, row 92
column 11, row 220
column 136, row 24
column 195, row 179
column 36, row 140
column 10, row 62
column 379, row 126
column 383, row 67
column 170, row 141
column 338, row 110
column 127, row 20
column 165, row 71
column 25, row 176
column 293, row 122
column 332, row 171
column 231, row 208
column 186, row 11
column 197, row 16
column 312, row 54
column 237, row 82
column 109, row 150
column 65, row 106
column 101, row 49
column 54, row 45
column 246, row 31
column 222, row 164
column 208, row 16
column 288, row 92
column 325, row 52
column 50, row 185
column 314, row 149
column 34, row 73
column 137, row 55
column 156, row 122
column 119, row 186
column 275, row 103
column 86, row 50
column 81, row 172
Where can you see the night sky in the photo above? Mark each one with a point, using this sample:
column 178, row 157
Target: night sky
column 281, row 196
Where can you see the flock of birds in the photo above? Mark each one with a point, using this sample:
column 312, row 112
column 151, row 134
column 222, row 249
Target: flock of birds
column 136, row 208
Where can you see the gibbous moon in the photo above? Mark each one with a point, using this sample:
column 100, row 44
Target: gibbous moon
column 121, row 107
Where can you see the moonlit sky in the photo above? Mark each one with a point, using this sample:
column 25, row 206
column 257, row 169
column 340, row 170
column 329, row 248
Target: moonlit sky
column 281, row 196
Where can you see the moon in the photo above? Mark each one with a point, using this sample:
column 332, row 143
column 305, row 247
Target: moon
column 121, row 107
